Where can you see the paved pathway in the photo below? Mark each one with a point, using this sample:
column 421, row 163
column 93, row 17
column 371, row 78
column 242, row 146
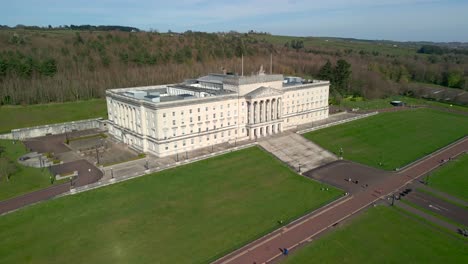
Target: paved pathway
column 296, row 151
column 87, row 174
column 267, row 248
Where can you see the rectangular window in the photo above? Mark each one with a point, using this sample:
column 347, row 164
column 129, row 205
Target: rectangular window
column 190, row 111
column 173, row 113
column 173, row 122
column 199, row 118
column 198, row 110
column 164, row 114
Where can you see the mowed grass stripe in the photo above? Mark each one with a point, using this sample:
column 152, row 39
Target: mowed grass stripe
column 189, row 214
column 395, row 139
column 383, row 235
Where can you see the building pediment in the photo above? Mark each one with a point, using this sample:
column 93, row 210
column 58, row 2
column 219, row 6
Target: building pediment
column 264, row 92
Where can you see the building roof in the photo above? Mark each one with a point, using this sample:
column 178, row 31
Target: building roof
column 264, row 92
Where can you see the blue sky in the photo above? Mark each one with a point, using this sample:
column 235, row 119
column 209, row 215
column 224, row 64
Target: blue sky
column 404, row 20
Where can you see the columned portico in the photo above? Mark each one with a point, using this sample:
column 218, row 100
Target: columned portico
column 263, row 109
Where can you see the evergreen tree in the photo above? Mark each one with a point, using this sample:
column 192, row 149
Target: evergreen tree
column 341, row 75
column 326, row 72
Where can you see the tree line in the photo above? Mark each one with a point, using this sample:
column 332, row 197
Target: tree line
column 37, row 66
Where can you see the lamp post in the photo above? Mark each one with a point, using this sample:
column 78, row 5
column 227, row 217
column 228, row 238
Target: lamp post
column 146, row 164
column 112, row 173
column 299, row 169
column 341, row 152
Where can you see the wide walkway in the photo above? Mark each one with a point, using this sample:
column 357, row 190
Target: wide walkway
column 296, row 151
column 266, row 249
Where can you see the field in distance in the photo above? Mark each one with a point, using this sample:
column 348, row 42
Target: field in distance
column 190, row 214
column 383, row 235
column 12, row 117
column 393, row 140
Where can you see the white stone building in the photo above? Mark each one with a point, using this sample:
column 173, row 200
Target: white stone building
column 217, row 108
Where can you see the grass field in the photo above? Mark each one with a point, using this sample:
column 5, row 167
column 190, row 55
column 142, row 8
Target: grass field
column 393, row 139
column 452, row 178
column 12, row 117
column 375, row 104
column 383, row 235
column 190, row 214
column 333, row 44
column 26, row 179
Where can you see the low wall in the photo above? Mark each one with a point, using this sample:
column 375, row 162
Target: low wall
column 6, row 136
column 38, row 131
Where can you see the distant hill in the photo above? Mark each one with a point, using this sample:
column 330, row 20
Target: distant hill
column 67, row 63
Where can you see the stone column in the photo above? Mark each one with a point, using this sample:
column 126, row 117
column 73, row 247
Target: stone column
column 260, row 119
column 278, row 115
column 248, row 113
column 268, row 110
column 273, row 101
column 259, row 112
column 251, row 112
column 255, row 120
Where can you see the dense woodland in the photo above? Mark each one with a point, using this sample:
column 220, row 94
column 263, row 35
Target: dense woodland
column 56, row 65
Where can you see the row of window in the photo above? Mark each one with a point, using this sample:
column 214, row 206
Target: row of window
column 200, row 139
column 207, row 108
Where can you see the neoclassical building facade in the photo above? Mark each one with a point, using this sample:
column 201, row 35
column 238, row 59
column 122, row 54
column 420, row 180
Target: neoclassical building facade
column 213, row 109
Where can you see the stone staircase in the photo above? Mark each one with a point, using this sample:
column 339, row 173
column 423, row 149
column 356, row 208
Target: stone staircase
column 296, row 151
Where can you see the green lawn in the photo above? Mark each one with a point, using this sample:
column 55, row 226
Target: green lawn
column 452, row 178
column 26, row 179
column 189, row 214
column 383, row 235
column 12, row 117
column 376, row 104
column 395, row 139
